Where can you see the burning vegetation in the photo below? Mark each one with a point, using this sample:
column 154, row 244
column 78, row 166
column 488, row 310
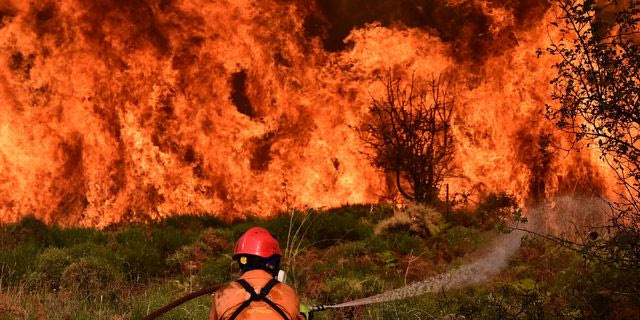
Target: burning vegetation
column 132, row 110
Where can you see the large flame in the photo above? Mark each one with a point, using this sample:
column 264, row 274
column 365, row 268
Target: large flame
column 117, row 110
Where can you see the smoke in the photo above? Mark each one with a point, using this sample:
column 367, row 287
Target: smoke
column 571, row 217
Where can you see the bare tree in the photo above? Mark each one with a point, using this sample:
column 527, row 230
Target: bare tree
column 408, row 132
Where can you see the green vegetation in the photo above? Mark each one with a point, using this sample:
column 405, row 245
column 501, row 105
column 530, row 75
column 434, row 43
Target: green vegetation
column 124, row 272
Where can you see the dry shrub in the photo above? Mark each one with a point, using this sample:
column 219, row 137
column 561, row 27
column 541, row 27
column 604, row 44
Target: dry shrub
column 92, row 278
column 214, row 241
column 189, row 259
column 9, row 307
column 415, row 218
column 417, row 268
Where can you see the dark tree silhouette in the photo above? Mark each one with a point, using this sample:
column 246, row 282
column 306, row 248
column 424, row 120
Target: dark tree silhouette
column 408, row 132
column 597, row 95
column 598, row 83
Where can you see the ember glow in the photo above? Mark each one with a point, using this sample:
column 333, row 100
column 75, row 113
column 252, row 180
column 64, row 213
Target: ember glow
column 122, row 110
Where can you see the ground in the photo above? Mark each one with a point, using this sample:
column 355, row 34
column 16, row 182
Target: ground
column 127, row 271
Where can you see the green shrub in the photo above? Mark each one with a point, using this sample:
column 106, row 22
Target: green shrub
column 489, row 213
column 140, row 257
column 596, row 289
column 215, row 271
column 49, row 266
column 495, row 208
column 90, row 267
column 91, row 249
column 177, row 260
column 67, row 237
column 327, row 229
column 328, row 266
column 387, row 259
column 404, row 243
column 377, row 213
column 320, row 229
column 464, row 238
column 91, row 278
column 169, row 239
column 369, row 246
column 17, row 262
column 353, row 249
column 188, row 259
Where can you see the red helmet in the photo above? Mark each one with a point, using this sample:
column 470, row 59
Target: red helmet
column 258, row 242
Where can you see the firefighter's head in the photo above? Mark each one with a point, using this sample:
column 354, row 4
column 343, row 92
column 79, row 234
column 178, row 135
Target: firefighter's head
column 257, row 249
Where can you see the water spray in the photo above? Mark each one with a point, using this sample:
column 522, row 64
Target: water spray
column 481, row 269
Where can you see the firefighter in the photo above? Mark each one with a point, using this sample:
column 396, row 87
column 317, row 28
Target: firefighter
column 257, row 294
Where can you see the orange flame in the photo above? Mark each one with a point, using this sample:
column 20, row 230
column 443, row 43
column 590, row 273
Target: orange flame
column 119, row 110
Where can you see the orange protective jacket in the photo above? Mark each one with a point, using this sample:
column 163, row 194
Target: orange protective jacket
column 232, row 295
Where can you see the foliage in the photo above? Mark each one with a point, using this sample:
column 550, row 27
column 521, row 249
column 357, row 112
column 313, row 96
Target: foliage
column 403, row 243
column 170, row 239
column 189, row 258
column 49, row 266
column 542, row 280
column 92, row 278
column 215, row 271
column 139, row 256
column 597, row 90
column 191, row 222
column 327, row 229
column 28, row 229
column 90, row 249
column 319, row 229
column 409, row 134
column 17, row 262
column 464, row 238
column 597, row 85
column 67, row 237
column 493, row 210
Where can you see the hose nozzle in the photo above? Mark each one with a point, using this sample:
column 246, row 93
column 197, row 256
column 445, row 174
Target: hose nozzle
column 318, row 308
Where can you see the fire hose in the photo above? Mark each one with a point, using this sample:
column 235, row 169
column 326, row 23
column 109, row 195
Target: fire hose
column 174, row 304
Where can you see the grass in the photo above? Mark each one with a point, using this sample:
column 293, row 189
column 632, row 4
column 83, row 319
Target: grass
column 126, row 271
